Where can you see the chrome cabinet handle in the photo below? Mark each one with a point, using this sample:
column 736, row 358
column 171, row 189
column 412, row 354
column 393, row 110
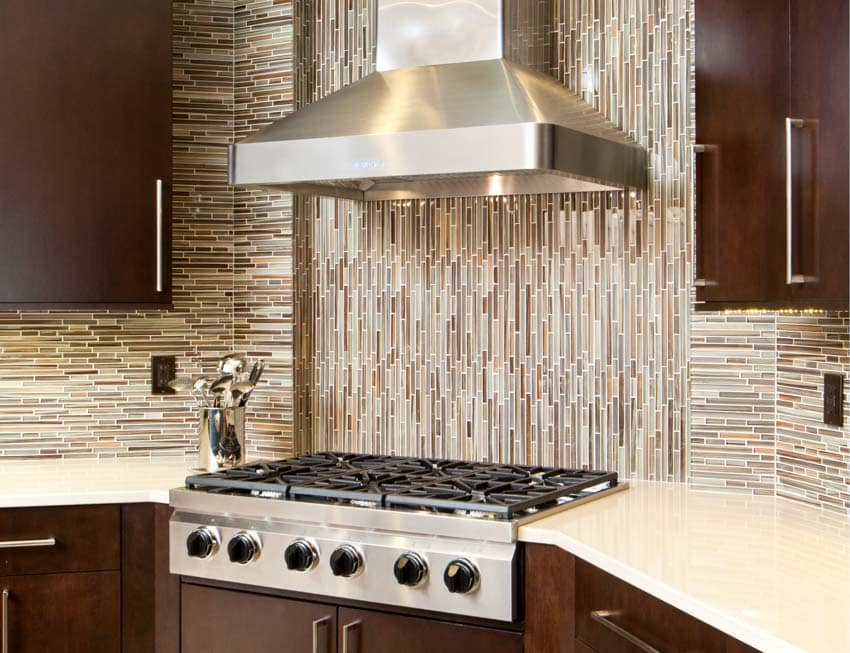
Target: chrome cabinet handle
column 791, row 279
column 28, row 544
column 4, row 638
column 703, row 282
column 159, row 235
column 603, row 617
column 347, row 631
column 320, row 628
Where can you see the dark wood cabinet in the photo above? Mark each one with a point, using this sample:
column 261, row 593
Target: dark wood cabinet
column 88, row 578
column 368, row 631
column 574, row 607
column 759, row 63
column 216, row 620
column 63, row 613
column 819, row 57
column 220, row 620
column 85, row 165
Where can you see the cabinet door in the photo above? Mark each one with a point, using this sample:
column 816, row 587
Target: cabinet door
column 819, row 98
column 614, row 617
column 741, row 105
column 216, row 620
column 64, row 613
column 85, row 127
column 366, row 631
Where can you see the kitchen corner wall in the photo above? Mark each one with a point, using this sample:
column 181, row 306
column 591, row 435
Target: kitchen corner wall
column 544, row 329
column 77, row 384
column 757, row 405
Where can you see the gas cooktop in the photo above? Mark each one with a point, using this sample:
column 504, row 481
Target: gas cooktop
column 426, row 534
column 448, row 486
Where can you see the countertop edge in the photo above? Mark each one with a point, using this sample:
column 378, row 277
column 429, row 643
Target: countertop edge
column 97, row 497
column 733, row 627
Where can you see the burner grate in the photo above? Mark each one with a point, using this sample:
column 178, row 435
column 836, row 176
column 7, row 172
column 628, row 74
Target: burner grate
column 495, row 490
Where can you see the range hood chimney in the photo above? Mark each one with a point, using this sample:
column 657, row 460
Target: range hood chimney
column 455, row 108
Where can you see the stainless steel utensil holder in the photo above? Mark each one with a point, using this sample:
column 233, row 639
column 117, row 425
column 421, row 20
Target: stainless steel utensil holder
column 221, row 436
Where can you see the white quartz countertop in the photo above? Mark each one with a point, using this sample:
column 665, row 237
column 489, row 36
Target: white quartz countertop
column 75, row 482
column 770, row 572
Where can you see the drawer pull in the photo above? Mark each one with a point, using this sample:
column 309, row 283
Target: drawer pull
column 4, row 637
column 28, row 544
column 320, row 632
column 347, row 631
column 603, row 617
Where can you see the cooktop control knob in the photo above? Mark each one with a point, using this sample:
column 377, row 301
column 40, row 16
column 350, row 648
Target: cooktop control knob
column 461, row 577
column 201, row 543
column 300, row 556
column 243, row 548
column 346, row 561
column 410, row 569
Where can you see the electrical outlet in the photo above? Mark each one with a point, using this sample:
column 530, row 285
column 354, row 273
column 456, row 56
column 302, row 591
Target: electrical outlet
column 163, row 371
column 833, row 399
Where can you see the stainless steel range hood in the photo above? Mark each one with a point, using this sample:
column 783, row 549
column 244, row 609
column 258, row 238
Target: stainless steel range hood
column 452, row 111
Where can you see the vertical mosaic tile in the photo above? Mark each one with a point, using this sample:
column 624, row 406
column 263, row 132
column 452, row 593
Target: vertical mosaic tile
column 534, row 329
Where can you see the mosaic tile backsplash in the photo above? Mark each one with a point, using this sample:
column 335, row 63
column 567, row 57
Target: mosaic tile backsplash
column 553, row 329
column 540, row 329
column 78, row 384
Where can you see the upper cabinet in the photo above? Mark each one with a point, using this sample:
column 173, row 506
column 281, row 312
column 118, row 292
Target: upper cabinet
column 772, row 173
column 85, row 161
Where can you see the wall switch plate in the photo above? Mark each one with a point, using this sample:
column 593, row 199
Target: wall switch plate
column 833, row 399
column 163, row 371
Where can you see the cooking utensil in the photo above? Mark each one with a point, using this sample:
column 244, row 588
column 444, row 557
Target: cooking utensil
column 181, row 384
column 240, row 390
column 201, row 389
column 233, row 364
column 221, row 389
column 257, row 372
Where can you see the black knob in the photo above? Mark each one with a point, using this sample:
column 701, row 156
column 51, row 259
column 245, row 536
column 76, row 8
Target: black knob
column 410, row 569
column 461, row 577
column 243, row 548
column 201, row 543
column 300, row 555
column 346, row 561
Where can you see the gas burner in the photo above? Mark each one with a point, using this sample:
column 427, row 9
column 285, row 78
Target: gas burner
column 470, row 489
column 344, row 526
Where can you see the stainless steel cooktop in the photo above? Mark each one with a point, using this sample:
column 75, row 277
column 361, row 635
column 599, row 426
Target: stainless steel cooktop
column 435, row 535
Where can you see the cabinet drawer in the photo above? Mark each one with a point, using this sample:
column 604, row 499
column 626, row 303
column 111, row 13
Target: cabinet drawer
column 615, row 617
column 367, row 631
column 85, row 538
column 63, row 613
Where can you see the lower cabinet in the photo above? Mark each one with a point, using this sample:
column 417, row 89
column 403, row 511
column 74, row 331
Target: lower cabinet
column 574, row 607
column 367, row 631
column 63, row 613
column 216, row 620
column 87, row 579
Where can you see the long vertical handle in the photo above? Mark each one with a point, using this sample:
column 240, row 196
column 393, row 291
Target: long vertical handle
column 347, row 631
column 159, row 248
column 4, row 638
column 320, row 632
column 790, row 278
column 701, row 281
